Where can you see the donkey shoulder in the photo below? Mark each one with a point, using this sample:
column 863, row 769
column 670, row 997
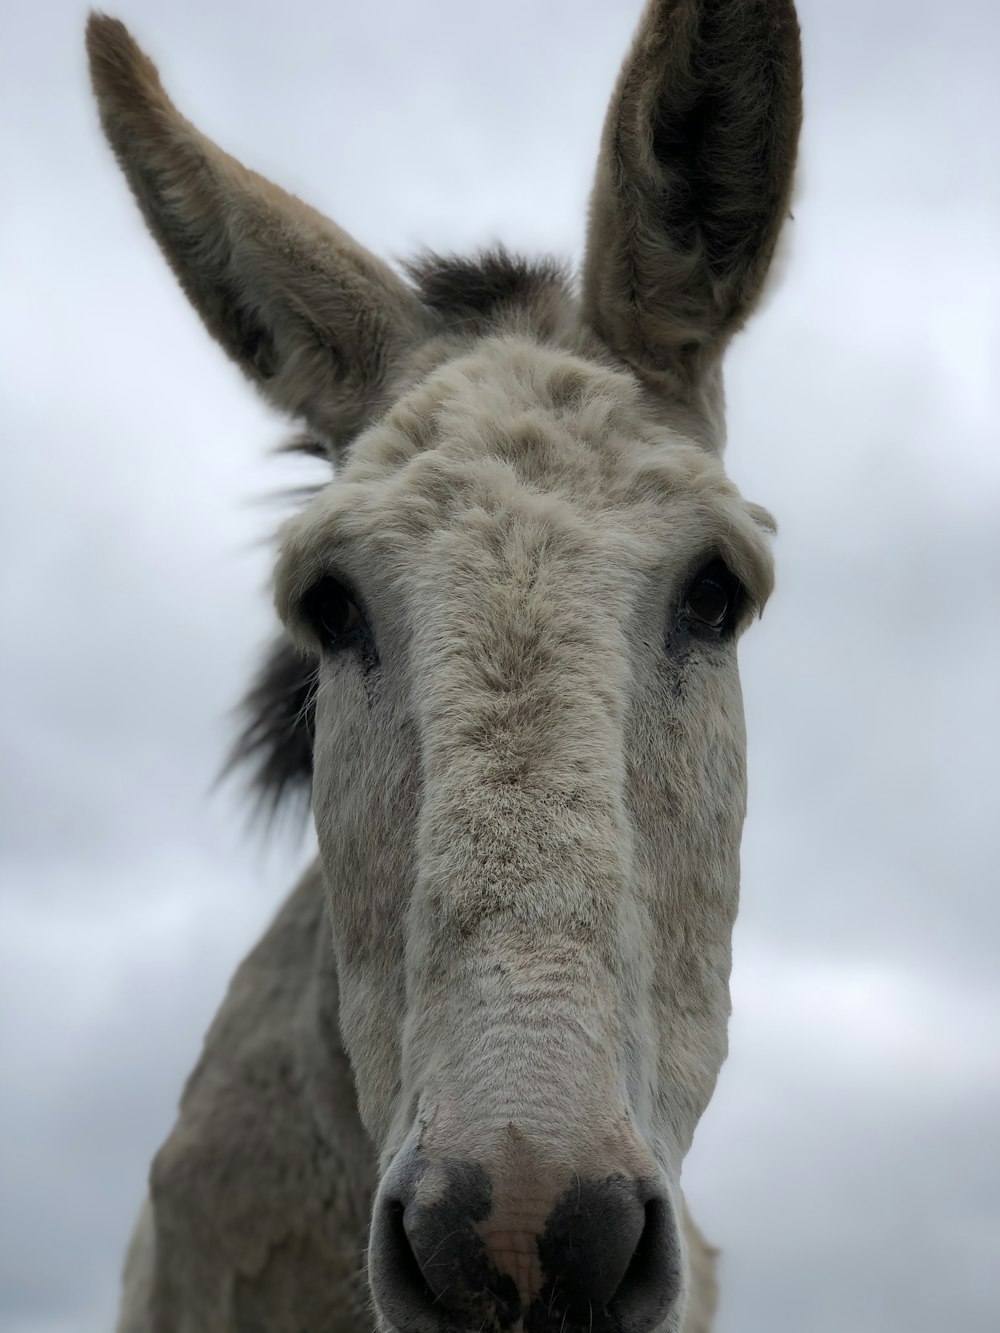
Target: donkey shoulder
column 262, row 1189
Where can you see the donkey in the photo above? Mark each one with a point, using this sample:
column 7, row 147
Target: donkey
column 453, row 1087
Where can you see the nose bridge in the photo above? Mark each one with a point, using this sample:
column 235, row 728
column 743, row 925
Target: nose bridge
column 518, row 1041
column 521, row 705
column 519, row 1004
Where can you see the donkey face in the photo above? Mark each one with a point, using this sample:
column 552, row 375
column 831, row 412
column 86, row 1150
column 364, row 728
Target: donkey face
column 522, row 596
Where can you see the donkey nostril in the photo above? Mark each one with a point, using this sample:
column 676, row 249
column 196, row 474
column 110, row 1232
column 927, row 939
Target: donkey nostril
column 428, row 1264
column 609, row 1255
column 398, row 1283
column 652, row 1280
column 406, row 1261
column 429, row 1270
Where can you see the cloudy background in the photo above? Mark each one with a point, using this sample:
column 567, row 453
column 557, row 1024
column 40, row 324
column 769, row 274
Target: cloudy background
column 848, row 1164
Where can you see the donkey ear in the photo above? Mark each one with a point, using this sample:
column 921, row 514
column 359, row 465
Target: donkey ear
column 310, row 316
column 693, row 182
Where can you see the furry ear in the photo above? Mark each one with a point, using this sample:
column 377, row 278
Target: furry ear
column 693, row 183
column 313, row 319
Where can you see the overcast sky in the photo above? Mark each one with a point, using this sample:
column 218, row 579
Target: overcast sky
column 848, row 1165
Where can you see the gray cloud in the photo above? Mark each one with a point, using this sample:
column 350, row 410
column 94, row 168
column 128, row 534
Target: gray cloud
column 847, row 1163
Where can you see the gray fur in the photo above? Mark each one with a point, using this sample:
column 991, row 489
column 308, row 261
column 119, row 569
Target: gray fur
column 528, row 781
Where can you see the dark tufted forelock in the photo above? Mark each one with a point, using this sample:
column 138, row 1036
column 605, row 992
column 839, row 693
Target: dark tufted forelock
column 486, row 284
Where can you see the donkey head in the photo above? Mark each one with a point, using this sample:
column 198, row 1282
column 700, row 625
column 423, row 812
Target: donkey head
column 521, row 597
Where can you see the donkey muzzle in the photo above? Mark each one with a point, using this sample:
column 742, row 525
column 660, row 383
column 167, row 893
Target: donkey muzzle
column 456, row 1248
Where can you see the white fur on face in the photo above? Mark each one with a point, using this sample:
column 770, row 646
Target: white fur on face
column 529, row 804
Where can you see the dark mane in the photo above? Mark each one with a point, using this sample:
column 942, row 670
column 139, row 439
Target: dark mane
column 485, row 285
column 275, row 739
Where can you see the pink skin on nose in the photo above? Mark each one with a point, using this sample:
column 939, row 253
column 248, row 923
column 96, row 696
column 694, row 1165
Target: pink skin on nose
column 511, row 1241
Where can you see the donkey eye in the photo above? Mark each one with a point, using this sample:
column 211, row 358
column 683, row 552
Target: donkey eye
column 332, row 612
column 713, row 597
